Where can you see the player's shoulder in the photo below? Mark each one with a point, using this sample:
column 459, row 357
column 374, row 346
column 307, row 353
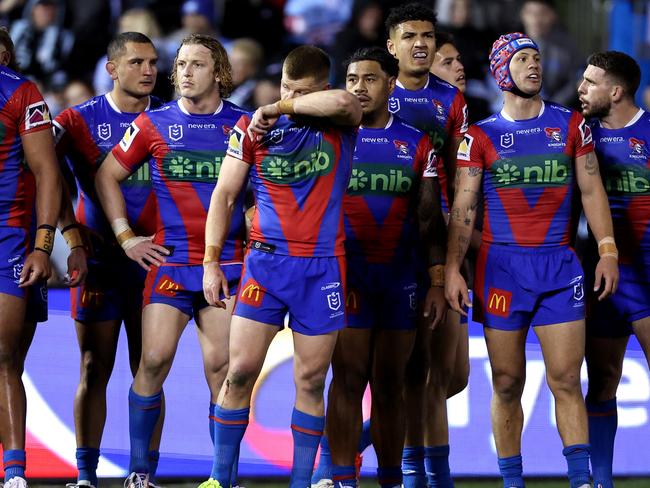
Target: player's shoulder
column 555, row 109
column 155, row 102
column 230, row 107
column 491, row 121
column 439, row 88
column 12, row 80
column 398, row 124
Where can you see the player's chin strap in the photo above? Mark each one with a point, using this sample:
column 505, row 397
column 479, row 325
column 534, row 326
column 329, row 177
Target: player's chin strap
column 125, row 235
column 516, row 91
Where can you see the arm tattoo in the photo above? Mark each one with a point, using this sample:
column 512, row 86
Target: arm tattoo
column 591, row 164
column 474, row 171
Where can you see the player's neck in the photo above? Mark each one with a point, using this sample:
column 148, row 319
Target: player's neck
column 620, row 115
column 202, row 106
column 519, row 108
column 412, row 81
column 128, row 103
column 376, row 120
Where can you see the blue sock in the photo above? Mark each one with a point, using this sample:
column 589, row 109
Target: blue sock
column 436, row 465
column 577, row 460
column 511, row 470
column 143, row 416
column 154, row 457
column 413, row 473
column 87, row 459
column 344, row 476
column 14, row 463
column 230, row 426
column 603, row 421
column 234, row 471
column 211, row 421
column 389, row 477
column 307, row 431
column 324, row 469
column 365, row 440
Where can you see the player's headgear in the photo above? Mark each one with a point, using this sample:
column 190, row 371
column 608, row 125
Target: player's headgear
column 503, row 49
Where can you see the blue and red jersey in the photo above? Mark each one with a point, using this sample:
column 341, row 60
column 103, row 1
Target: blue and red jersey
column 380, row 206
column 85, row 134
column 624, row 157
column 184, row 152
column 299, row 174
column 528, row 174
column 22, row 111
column 439, row 110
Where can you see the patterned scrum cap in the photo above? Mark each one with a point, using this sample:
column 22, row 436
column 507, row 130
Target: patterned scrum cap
column 503, row 49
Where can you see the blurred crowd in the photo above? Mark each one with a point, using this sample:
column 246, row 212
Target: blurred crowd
column 61, row 44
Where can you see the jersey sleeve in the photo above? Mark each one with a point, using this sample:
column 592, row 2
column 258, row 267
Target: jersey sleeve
column 580, row 139
column 470, row 151
column 33, row 113
column 133, row 150
column 240, row 146
column 63, row 127
column 458, row 116
column 426, row 162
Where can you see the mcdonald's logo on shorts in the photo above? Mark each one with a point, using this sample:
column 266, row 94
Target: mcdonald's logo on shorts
column 352, row 302
column 166, row 286
column 252, row 293
column 91, row 298
column 498, row 302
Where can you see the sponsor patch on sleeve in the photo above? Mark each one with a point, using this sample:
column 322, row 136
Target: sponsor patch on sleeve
column 57, row 131
column 465, row 126
column 236, row 143
column 129, row 136
column 465, row 147
column 36, row 114
column 585, row 132
column 431, row 170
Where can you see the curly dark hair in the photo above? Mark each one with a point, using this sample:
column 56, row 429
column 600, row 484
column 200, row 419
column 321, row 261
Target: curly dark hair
column 388, row 63
column 409, row 12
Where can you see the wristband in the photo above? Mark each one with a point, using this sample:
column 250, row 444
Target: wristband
column 437, row 275
column 44, row 239
column 72, row 236
column 124, row 234
column 212, row 254
column 607, row 247
column 285, row 106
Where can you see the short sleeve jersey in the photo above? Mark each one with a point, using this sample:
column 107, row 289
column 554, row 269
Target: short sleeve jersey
column 184, row 152
column 84, row 135
column 22, row 111
column 299, row 174
column 528, row 174
column 624, row 157
column 381, row 200
column 438, row 109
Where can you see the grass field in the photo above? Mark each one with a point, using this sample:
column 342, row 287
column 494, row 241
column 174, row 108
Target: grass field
column 368, row 483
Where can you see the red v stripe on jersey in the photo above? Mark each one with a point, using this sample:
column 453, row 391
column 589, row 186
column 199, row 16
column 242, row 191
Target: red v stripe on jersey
column 368, row 231
column 523, row 227
column 298, row 224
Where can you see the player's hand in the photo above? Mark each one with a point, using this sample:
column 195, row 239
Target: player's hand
column 456, row 291
column 435, row 306
column 606, row 276
column 214, row 282
column 77, row 267
column 145, row 252
column 263, row 119
column 36, row 268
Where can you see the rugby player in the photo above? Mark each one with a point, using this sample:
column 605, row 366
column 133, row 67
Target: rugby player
column 112, row 293
column 437, row 108
column 184, row 142
column 27, row 138
column 381, row 226
column 528, row 157
column 621, row 132
column 299, row 167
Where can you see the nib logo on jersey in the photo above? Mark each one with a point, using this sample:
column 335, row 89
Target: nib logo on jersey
column 284, row 169
column 192, row 165
column 624, row 179
column 381, row 179
column 531, row 171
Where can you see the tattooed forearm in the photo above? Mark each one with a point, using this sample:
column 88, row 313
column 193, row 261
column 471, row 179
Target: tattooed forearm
column 591, row 164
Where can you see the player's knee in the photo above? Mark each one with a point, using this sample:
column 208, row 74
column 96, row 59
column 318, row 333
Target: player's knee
column 311, row 383
column 459, row 381
column 240, row 378
column 154, row 364
column 508, row 387
column 10, row 359
column 564, row 382
column 93, row 371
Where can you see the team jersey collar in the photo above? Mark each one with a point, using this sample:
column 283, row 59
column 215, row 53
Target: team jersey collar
column 114, row 106
column 426, row 85
column 184, row 110
column 388, row 124
column 632, row 121
column 510, row 119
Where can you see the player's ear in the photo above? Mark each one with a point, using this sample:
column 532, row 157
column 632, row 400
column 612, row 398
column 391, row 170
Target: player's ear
column 617, row 93
column 391, row 84
column 111, row 69
column 390, row 45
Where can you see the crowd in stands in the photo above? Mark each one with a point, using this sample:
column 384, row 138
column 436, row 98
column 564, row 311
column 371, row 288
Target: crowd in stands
column 62, row 43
